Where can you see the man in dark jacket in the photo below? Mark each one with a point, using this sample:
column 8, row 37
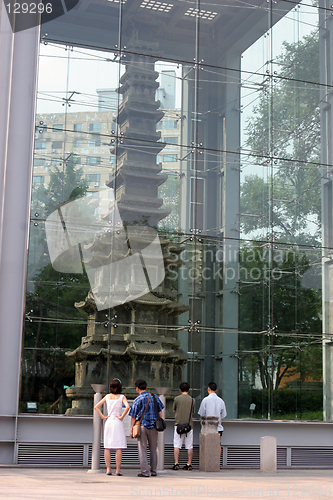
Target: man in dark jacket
column 183, row 407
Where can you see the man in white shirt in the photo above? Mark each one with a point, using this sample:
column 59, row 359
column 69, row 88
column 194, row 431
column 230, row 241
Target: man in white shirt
column 213, row 405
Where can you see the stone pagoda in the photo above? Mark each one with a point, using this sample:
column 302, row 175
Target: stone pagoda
column 137, row 338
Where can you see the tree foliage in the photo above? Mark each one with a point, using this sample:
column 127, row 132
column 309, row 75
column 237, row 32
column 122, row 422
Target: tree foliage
column 281, row 196
column 284, row 130
column 53, row 324
column 66, row 183
column 291, row 344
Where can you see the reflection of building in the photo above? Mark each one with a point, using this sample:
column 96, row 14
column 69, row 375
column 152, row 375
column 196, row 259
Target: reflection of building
column 293, row 381
column 170, row 127
column 108, row 99
column 87, row 137
column 166, row 93
column 84, row 135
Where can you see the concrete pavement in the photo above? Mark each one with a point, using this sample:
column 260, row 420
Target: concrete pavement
column 17, row 483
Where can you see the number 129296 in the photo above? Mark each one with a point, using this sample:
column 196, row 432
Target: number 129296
column 29, row 8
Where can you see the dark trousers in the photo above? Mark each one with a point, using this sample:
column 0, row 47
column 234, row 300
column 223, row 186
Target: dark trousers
column 147, row 436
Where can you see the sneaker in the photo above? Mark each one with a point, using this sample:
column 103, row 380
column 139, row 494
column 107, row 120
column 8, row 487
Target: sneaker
column 187, row 467
column 175, row 467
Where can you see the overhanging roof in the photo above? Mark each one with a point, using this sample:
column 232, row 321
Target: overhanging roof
column 220, row 26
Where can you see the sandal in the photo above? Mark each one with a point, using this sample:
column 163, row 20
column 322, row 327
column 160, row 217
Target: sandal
column 118, row 473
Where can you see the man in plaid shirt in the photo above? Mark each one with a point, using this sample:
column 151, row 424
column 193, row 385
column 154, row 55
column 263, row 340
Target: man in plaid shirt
column 148, row 430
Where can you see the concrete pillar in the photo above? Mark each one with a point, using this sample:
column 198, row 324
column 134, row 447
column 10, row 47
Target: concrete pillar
column 209, row 442
column 161, row 435
column 326, row 132
column 268, row 458
column 97, row 427
column 18, row 77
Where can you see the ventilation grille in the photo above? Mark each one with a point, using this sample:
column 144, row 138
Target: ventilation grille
column 243, row 457
column 238, row 457
column 169, row 457
column 312, row 457
column 249, row 457
column 51, row 455
column 281, row 457
column 130, row 457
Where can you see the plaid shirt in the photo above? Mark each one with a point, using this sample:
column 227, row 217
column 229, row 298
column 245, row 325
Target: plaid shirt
column 139, row 405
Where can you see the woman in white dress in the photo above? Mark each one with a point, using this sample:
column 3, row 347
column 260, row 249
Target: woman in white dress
column 114, row 432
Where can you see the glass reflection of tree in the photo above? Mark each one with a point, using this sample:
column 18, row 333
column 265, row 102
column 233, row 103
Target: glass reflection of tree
column 52, row 325
column 289, row 354
column 278, row 208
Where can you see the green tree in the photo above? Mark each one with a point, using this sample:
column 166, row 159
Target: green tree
column 53, row 324
column 284, row 130
column 66, row 183
column 275, row 352
column 283, row 140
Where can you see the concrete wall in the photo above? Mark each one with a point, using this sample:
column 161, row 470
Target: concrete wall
column 62, row 438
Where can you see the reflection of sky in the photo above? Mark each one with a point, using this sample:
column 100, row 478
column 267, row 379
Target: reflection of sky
column 81, row 70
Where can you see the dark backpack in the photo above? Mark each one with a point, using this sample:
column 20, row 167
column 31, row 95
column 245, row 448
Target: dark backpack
column 160, row 424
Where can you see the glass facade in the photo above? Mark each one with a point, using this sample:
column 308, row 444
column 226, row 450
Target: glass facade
column 176, row 229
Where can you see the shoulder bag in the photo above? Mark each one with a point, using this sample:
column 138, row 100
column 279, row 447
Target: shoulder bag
column 160, row 424
column 137, row 426
column 185, row 428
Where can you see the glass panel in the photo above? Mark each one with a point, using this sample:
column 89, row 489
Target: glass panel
column 254, row 200
column 157, row 28
column 97, row 148
column 92, row 25
column 175, row 224
column 280, row 212
column 45, row 377
column 296, row 203
column 172, row 33
column 296, row 214
column 73, row 127
column 297, row 31
column 169, row 191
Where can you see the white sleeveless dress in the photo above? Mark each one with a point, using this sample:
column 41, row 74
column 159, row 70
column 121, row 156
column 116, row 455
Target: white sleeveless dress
column 114, row 431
